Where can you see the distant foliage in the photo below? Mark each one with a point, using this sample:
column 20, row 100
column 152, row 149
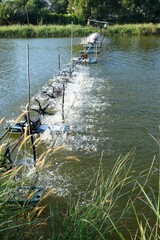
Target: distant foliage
column 124, row 11
column 39, row 12
column 35, row 12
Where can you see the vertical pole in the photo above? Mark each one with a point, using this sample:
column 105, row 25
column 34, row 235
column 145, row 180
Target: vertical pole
column 63, row 92
column 59, row 64
column 28, row 77
column 96, row 51
column 71, row 44
column 28, row 109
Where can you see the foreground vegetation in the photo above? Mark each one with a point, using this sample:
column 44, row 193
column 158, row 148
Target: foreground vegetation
column 113, row 203
column 47, row 31
column 116, row 204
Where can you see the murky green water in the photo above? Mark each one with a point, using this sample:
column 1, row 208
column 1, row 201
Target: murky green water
column 116, row 102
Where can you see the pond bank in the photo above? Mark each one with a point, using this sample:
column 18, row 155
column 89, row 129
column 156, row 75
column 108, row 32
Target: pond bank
column 133, row 30
column 44, row 31
column 53, row 31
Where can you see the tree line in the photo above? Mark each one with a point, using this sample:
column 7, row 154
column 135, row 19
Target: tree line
column 78, row 11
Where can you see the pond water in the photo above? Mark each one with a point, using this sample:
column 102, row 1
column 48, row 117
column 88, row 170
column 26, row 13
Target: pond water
column 111, row 107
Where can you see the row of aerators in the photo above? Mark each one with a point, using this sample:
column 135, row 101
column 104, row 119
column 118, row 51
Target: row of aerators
column 35, row 126
column 91, row 50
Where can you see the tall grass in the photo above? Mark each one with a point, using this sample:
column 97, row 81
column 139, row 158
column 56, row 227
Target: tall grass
column 116, row 203
column 148, row 221
column 43, row 31
column 104, row 214
column 133, row 30
column 19, row 216
column 48, row 31
column 93, row 218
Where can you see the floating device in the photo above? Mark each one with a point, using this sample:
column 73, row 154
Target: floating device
column 20, row 127
column 83, row 61
column 60, row 129
column 90, row 51
column 91, row 46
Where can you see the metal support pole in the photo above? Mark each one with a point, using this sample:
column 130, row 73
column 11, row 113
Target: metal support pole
column 71, row 44
column 59, row 64
column 28, row 109
column 63, row 93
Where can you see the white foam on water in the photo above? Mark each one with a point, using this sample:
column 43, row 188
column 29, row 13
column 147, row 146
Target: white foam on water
column 76, row 99
column 54, row 179
column 79, row 101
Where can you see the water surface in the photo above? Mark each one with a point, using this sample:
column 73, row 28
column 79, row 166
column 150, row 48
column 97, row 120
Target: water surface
column 116, row 102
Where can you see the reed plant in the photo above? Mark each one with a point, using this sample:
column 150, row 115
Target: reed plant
column 148, row 225
column 20, row 210
column 110, row 202
column 117, row 202
column 133, row 30
column 97, row 216
column 48, row 31
column 44, row 31
column 145, row 206
column 103, row 214
column 20, row 214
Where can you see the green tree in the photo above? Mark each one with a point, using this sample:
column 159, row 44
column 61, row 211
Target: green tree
column 80, row 8
column 150, row 9
column 6, row 14
column 105, row 8
column 19, row 4
column 140, row 11
column 98, row 9
column 59, row 6
column 37, row 11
